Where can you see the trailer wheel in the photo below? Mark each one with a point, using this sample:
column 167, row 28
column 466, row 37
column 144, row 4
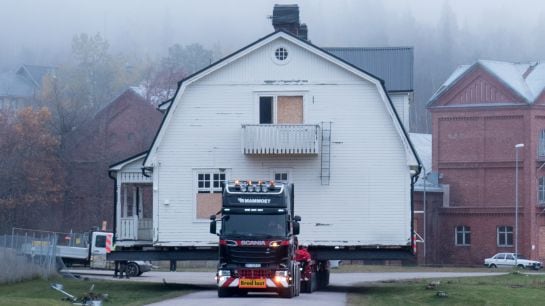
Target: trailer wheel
column 133, row 269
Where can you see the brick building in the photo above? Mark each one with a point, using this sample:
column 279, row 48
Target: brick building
column 124, row 127
column 479, row 114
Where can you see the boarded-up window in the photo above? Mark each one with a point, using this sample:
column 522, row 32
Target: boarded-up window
column 290, row 110
column 209, row 188
column 208, row 204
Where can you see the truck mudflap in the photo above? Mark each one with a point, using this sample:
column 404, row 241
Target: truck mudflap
column 249, row 283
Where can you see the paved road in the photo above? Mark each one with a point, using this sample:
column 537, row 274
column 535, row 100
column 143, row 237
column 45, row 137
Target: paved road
column 335, row 296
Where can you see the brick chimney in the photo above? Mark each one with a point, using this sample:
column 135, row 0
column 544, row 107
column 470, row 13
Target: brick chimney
column 286, row 17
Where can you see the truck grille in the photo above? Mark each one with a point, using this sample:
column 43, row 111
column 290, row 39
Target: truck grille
column 255, row 273
column 242, row 255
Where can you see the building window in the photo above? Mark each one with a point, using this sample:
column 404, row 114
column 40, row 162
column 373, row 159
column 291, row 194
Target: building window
column 281, row 109
column 281, row 176
column 541, row 145
column 505, row 236
column 281, row 54
column 208, row 196
column 210, row 182
column 541, row 190
column 463, row 235
column 265, row 110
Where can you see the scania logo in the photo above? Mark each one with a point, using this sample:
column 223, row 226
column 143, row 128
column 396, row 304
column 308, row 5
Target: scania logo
column 252, row 242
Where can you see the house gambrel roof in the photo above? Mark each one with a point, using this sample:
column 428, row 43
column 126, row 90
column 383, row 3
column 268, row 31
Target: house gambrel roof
column 392, row 64
column 170, row 105
column 524, row 80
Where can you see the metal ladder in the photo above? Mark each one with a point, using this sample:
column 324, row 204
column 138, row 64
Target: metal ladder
column 325, row 153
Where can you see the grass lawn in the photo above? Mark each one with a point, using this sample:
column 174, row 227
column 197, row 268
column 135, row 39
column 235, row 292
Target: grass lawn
column 382, row 268
column 38, row 292
column 511, row 289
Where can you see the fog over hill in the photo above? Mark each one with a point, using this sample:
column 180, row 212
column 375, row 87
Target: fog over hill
column 444, row 33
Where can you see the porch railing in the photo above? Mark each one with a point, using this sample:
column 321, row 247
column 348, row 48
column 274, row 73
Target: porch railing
column 131, row 228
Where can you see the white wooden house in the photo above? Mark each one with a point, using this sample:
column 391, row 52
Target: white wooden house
column 280, row 108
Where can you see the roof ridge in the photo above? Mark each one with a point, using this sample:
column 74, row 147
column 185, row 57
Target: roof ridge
column 371, row 48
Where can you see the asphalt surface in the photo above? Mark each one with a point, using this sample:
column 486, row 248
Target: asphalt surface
column 334, row 296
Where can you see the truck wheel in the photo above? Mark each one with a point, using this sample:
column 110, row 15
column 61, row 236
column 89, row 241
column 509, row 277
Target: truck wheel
column 305, row 286
column 133, row 269
column 224, row 292
column 324, row 279
column 286, row 293
column 520, row 266
column 310, row 285
column 492, row 266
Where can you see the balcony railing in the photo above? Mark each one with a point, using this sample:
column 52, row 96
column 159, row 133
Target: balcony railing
column 280, row 139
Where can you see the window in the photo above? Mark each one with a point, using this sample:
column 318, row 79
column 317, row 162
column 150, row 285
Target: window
column 265, row 110
column 541, row 190
column 541, row 145
column 100, row 241
column 509, row 257
column 281, row 54
column 210, row 182
column 463, row 235
column 209, row 188
column 505, row 236
column 499, row 256
column 281, row 109
column 281, row 176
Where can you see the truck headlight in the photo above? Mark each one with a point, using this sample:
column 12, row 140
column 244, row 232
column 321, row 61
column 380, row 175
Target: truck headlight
column 281, row 273
column 224, row 273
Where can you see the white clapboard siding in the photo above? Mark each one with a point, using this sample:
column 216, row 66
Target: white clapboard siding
column 368, row 199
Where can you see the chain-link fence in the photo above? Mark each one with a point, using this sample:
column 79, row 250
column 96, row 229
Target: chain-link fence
column 27, row 254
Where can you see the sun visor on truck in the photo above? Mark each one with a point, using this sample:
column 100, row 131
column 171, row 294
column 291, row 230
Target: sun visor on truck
column 255, row 200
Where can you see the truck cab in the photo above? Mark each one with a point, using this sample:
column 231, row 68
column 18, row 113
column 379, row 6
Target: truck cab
column 257, row 239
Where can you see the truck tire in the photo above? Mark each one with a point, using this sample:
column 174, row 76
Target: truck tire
column 287, row 293
column 323, row 279
column 224, row 292
column 133, row 269
column 310, row 285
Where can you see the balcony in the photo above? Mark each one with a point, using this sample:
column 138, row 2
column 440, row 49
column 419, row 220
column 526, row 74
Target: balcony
column 264, row 139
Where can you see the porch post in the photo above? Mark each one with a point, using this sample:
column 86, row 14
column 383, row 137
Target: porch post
column 118, row 228
column 134, row 215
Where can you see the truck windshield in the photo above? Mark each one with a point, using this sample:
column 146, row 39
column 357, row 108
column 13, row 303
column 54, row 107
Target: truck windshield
column 254, row 225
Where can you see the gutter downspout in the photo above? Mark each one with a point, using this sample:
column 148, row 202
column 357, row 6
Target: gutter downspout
column 414, row 178
column 115, row 205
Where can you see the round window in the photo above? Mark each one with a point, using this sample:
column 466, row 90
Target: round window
column 281, row 54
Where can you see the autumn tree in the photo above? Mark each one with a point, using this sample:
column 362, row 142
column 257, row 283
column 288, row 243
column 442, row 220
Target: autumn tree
column 161, row 79
column 31, row 175
column 94, row 76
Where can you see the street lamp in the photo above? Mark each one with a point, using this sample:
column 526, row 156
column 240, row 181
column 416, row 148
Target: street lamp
column 517, row 146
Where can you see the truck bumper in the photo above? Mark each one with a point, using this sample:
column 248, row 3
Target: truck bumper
column 262, row 284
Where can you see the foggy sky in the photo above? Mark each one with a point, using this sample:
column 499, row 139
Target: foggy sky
column 46, row 27
column 444, row 33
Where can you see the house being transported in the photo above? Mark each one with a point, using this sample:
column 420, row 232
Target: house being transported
column 284, row 109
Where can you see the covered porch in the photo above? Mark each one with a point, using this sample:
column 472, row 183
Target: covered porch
column 133, row 204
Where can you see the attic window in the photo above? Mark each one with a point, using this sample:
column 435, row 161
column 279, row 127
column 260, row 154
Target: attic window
column 281, row 54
